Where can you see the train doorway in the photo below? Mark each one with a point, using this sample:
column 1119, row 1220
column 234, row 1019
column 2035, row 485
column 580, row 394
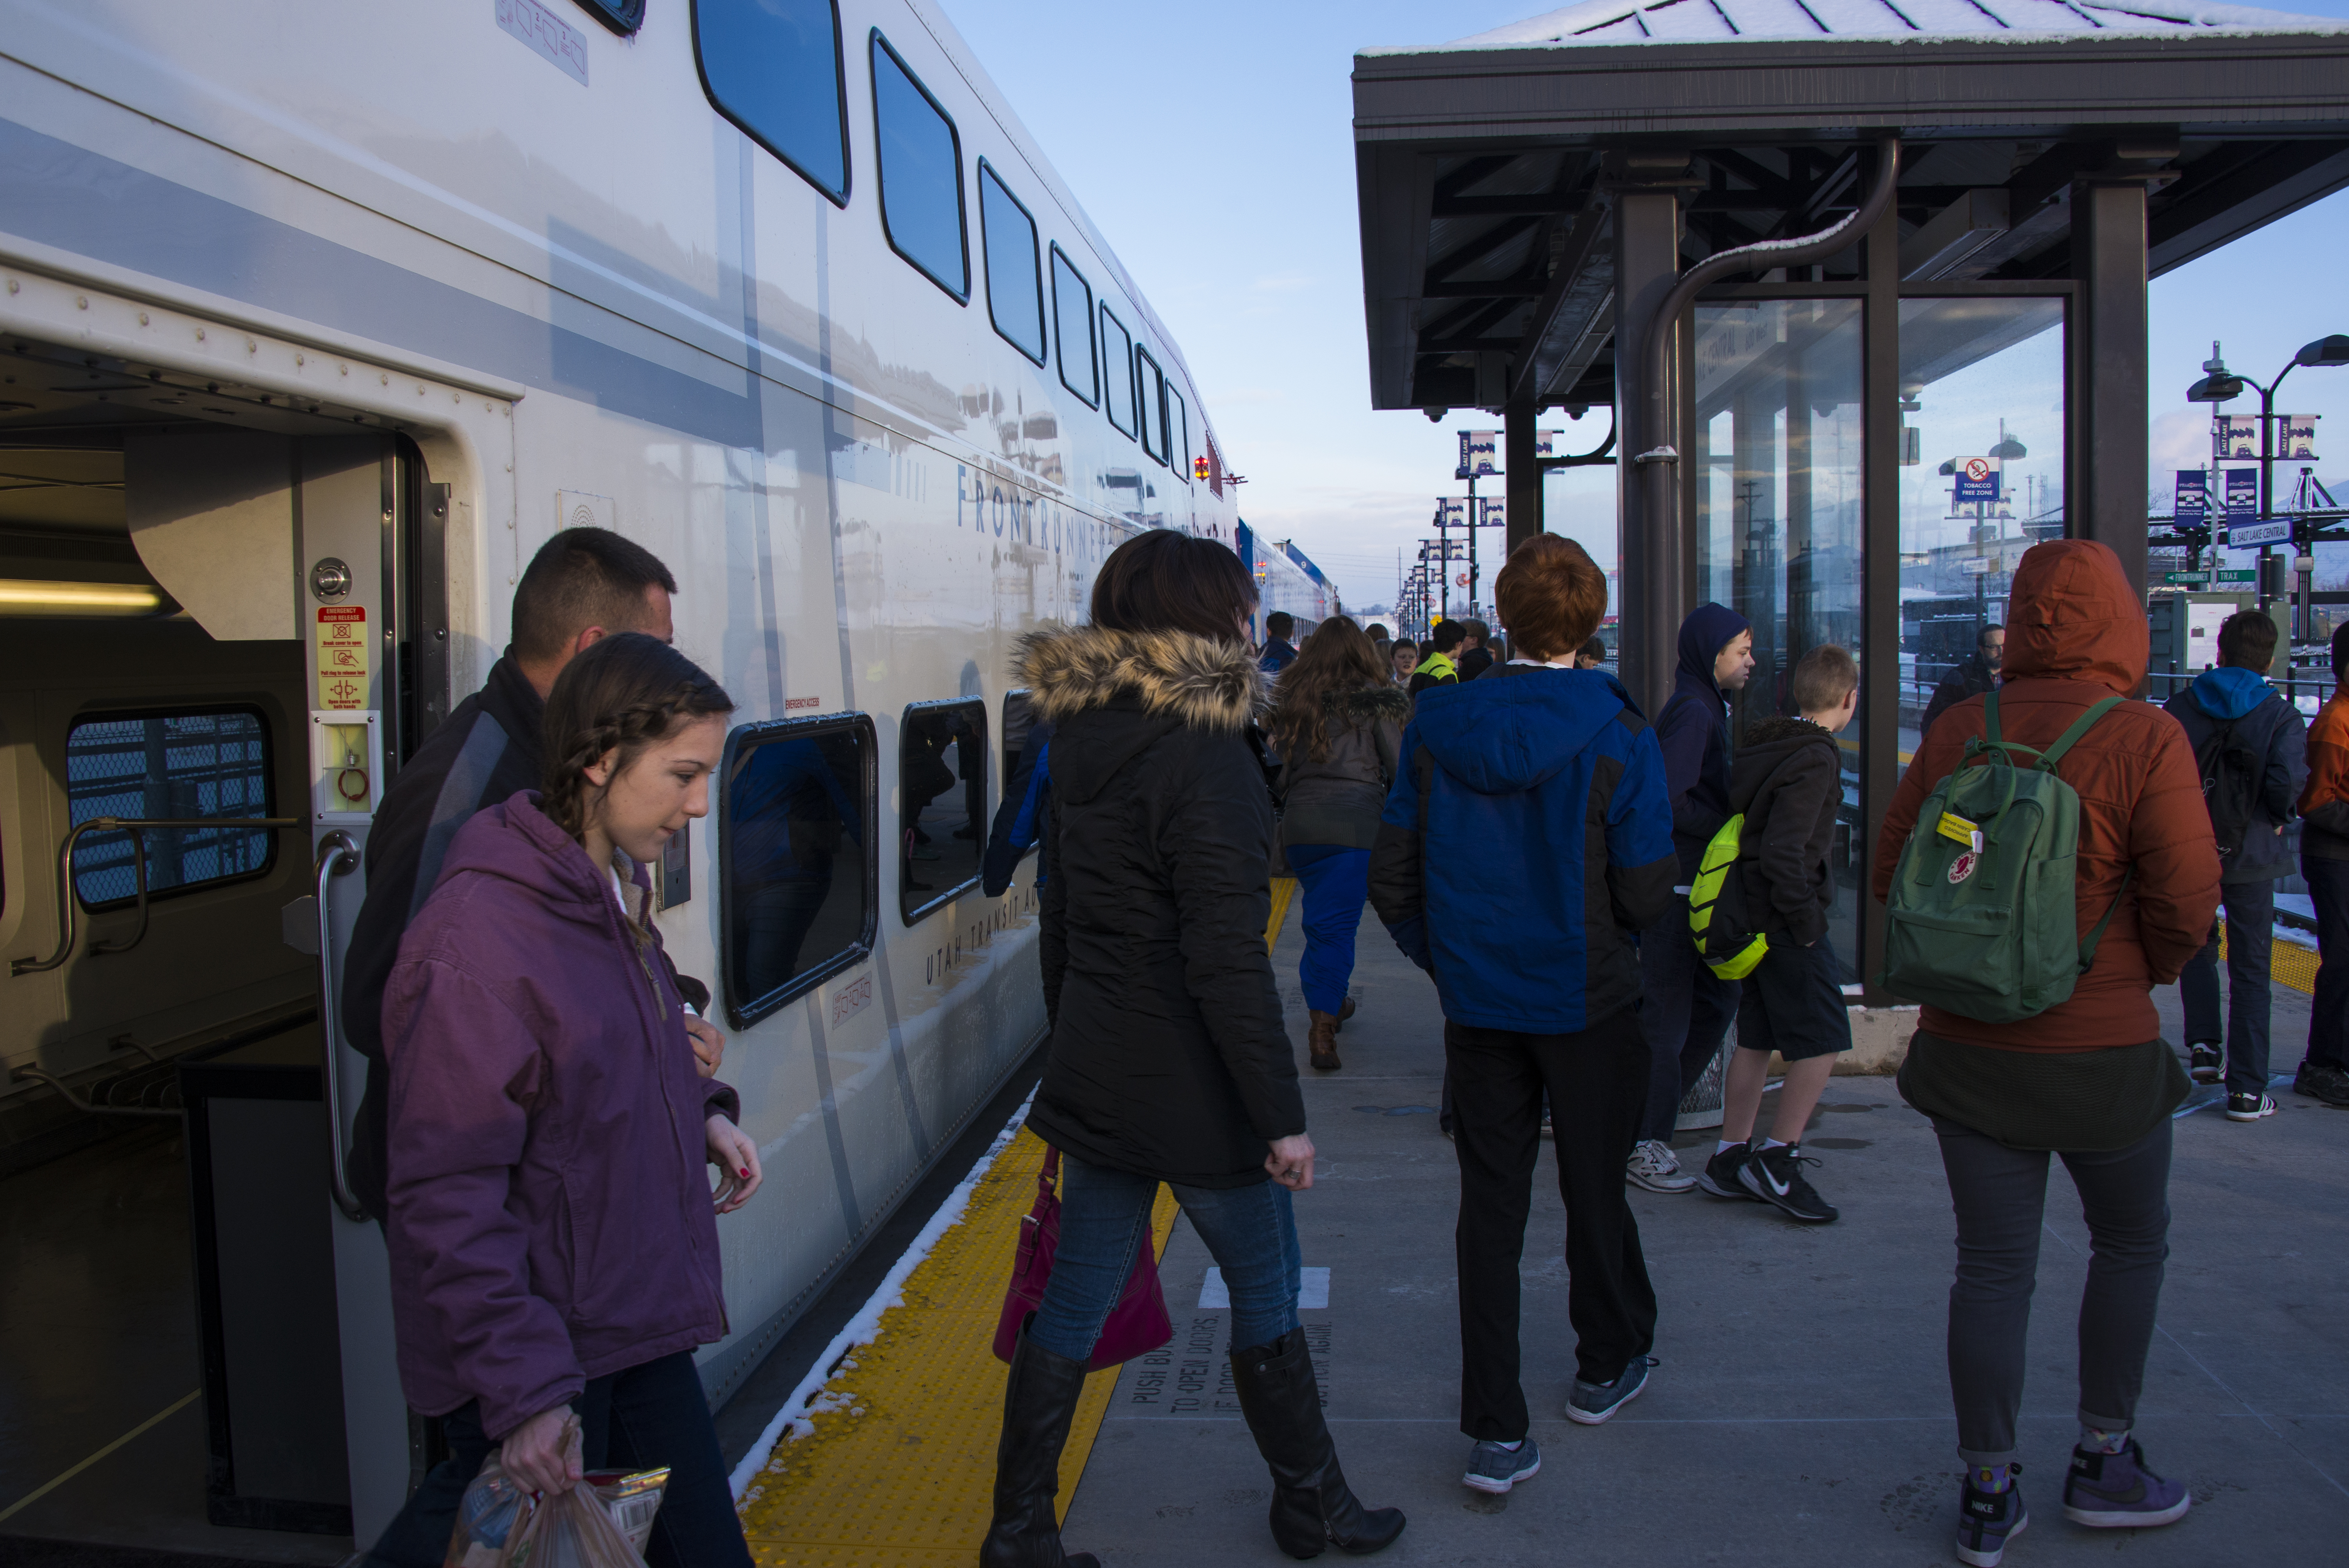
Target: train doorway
column 210, row 664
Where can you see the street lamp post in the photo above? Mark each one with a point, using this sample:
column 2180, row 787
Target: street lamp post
column 2219, row 384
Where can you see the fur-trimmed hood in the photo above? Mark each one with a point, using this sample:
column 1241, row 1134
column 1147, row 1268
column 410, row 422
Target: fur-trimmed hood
column 1181, row 675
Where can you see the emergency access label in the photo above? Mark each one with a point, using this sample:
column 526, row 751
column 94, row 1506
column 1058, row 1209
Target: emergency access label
column 342, row 656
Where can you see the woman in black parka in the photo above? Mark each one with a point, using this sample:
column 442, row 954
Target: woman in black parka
column 1169, row 1061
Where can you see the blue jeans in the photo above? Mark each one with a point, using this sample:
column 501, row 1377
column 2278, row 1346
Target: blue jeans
column 1337, row 884
column 2328, row 1011
column 1105, row 1217
column 2250, row 941
column 1685, row 1011
column 648, row 1416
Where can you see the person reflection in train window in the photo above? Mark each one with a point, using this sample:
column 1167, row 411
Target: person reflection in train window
column 1337, row 722
column 787, row 812
column 1526, row 841
column 553, row 1234
column 929, row 733
column 583, row 585
column 1168, row 1060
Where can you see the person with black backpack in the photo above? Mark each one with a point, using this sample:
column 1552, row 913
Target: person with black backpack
column 2252, row 750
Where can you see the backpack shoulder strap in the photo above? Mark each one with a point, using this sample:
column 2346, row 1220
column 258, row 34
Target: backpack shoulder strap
column 2080, row 726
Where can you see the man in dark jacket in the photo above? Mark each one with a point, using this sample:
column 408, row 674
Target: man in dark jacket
column 1436, row 655
column 1687, row 1007
column 1279, row 653
column 1475, row 655
column 2231, row 711
column 1974, row 676
column 1486, row 873
column 583, row 585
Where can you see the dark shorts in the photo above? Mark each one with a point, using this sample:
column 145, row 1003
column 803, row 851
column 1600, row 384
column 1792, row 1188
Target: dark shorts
column 1794, row 1003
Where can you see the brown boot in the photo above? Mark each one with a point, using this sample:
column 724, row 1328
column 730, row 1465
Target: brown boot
column 1345, row 1013
column 1322, row 1043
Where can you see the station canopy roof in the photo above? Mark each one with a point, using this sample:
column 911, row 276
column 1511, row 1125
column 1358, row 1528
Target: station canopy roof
column 1485, row 166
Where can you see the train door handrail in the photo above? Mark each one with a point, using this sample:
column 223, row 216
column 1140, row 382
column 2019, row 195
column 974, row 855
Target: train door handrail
column 339, row 855
column 68, row 905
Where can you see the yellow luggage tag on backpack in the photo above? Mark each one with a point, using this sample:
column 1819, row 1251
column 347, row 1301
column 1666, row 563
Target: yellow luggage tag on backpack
column 1952, row 826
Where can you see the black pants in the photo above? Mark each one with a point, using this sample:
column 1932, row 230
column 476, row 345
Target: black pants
column 2328, row 1013
column 641, row 1418
column 2001, row 1198
column 1597, row 1084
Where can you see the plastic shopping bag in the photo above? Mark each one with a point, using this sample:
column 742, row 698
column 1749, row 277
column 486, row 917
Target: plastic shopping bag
column 487, row 1517
column 570, row 1530
column 603, row 1522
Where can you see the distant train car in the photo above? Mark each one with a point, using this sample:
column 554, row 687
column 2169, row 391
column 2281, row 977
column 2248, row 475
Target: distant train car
column 1285, row 579
column 317, row 321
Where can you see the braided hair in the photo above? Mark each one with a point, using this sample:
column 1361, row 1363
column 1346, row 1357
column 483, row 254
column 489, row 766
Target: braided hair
column 621, row 694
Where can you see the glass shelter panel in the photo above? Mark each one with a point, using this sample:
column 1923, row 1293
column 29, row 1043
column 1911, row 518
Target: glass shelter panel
column 1982, row 479
column 1777, row 474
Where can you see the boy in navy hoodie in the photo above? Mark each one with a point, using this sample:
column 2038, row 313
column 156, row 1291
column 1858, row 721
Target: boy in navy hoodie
column 1789, row 781
column 1526, row 840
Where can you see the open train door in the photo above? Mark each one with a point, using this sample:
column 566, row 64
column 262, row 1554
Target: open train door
column 363, row 526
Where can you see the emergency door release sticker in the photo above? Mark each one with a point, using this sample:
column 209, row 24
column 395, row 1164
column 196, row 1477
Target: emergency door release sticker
column 342, row 656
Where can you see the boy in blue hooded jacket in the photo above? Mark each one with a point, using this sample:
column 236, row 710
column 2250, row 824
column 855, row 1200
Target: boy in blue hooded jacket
column 1526, row 840
column 2233, row 708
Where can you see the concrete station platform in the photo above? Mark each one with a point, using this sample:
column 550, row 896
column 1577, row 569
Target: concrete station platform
column 1801, row 1413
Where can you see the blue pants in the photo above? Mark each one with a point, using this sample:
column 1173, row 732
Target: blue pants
column 2250, row 940
column 648, row 1416
column 1685, row 1011
column 2328, row 1012
column 1337, row 884
column 1105, row 1217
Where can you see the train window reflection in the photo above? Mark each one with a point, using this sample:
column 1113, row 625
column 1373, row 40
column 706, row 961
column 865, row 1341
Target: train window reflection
column 796, row 857
column 921, row 173
column 1073, row 317
column 1178, row 434
column 1117, row 370
column 1015, row 285
column 1151, row 383
column 179, row 765
column 941, row 804
column 774, row 68
column 1018, row 718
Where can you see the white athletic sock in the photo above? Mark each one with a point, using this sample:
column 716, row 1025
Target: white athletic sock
column 1767, row 1144
column 1724, row 1146
column 1512, row 1448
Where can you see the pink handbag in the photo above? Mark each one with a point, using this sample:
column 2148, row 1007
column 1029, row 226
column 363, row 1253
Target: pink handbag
column 1137, row 1325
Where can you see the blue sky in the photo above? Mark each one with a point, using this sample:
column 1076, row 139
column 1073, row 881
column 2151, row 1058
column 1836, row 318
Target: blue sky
column 1211, row 144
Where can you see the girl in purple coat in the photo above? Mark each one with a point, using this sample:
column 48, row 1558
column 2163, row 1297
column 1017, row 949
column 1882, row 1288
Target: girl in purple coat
column 552, row 1228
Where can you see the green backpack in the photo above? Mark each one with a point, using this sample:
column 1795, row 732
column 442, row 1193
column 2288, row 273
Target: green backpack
column 1717, row 907
column 1983, row 917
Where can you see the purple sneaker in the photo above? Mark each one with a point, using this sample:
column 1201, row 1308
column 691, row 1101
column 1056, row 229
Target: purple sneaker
column 1987, row 1521
column 2115, row 1491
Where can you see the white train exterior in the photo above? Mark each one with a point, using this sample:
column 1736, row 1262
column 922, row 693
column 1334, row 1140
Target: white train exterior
column 538, row 249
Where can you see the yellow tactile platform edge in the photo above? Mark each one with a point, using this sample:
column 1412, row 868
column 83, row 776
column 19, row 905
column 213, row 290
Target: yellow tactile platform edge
column 2288, row 961
column 894, row 1464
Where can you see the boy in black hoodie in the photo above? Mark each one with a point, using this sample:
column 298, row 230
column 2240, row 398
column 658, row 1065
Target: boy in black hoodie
column 1789, row 781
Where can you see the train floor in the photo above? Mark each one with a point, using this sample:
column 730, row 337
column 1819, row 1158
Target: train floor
column 1800, row 1412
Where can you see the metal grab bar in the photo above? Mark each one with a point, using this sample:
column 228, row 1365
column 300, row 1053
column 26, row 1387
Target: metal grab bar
column 82, row 1103
column 69, row 906
column 339, row 855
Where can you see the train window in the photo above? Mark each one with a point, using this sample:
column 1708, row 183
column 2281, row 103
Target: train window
column 942, row 802
column 621, row 16
column 1072, row 318
column 921, row 173
column 796, row 863
column 1015, row 285
column 774, row 68
column 1151, row 384
column 1117, row 371
column 187, row 766
column 1178, row 434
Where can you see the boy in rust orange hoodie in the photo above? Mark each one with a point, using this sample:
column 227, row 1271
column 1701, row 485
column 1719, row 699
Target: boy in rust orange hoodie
column 2089, row 1078
column 2325, row 861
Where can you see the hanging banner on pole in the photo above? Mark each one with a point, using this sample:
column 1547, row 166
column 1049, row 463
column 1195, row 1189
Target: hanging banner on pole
column 2234, row 436
column 2243, row 498
column 1496, row 510
column 2192, row 507
column 1480, row 453
column 2296, row 437
column 1452, row 511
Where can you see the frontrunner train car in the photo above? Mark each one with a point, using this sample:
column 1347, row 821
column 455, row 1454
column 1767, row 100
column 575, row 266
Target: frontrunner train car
column 317, row 321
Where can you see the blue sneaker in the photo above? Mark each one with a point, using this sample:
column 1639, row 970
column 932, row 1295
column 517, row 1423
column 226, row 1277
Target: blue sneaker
column 1987, row 1521
column 1494, row 1469
column 1593, row 1403
column 2115, row 1491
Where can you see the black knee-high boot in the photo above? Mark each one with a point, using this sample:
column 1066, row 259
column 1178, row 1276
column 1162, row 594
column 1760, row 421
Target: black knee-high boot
column 1312, row 1507
column 1038, row 1402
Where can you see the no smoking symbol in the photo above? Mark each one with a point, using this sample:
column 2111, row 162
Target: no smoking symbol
column 1977, row 469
